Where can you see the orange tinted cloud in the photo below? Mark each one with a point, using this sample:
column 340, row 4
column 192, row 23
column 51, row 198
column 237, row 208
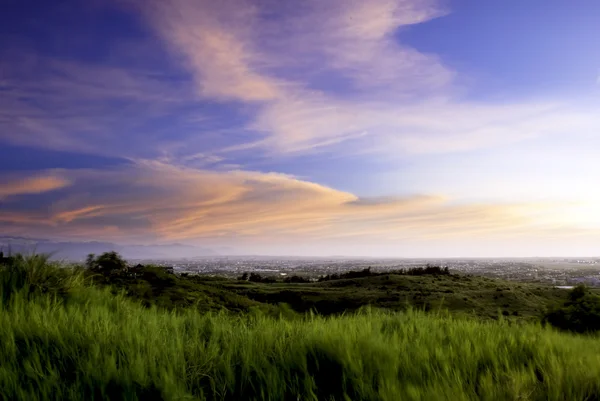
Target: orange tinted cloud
column 163, row 202
column 88, row 211
column 31, row 185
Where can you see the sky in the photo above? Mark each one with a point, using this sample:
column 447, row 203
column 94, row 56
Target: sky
column 405, row 128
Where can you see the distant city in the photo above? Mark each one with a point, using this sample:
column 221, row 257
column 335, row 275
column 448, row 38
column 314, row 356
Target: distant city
column 566, row 271
column 555, row 271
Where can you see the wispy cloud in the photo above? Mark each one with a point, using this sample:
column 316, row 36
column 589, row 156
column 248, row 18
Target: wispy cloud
column 358, row 40
column 90, row 108
column 215, row 41
column 237, row 51
column 155, row 201
column 270, row 66
column 14, row 186
column 396, row 99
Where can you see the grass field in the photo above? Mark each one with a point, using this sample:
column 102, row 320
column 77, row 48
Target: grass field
column 61, row 339
column 460, row 294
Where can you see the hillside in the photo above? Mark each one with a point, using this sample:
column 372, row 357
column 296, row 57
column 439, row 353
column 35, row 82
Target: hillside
column 64, row 338
column 460, row 294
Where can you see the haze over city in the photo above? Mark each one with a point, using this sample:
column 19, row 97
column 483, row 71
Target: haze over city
column 390, row 128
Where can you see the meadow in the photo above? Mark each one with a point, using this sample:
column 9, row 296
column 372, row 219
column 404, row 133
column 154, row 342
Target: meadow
column 66, row 336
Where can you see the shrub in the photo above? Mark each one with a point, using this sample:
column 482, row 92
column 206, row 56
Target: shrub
column 580, row 313
column 415, row 271
column 296, row 279
column 108, row 262
column 36, row 274
column 257, row 278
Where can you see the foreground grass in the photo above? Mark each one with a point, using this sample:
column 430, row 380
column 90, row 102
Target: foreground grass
column 61, row 339
column 101, row 346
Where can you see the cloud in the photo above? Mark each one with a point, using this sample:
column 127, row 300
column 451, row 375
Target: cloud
column 248, row 51
column 215, row 41
column 424, row 127
column 84, row 212
column 280, row 58
column 31, row 185
column 234, row 83
column 272, row 79
column 357, row 39
column 157, row 202
column 91, row 108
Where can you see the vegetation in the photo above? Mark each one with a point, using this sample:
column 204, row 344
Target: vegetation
column 580, row 313
column 416, row 271
column 107, row 263
column 76, row 334
column 35, row 275
column 430, row 288
column 256, row 278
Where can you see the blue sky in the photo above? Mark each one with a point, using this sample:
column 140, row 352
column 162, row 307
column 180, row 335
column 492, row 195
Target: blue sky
column 385, row 128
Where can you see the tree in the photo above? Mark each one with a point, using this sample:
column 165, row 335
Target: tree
column 90, row 260
column 578, row 292
column 580, row 313
column 108, row 262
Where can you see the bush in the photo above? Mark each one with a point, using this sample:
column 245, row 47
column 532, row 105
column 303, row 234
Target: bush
column 107, row 263
column 296, row 279
column 580, row 313
column 415, row 271
column 427, row 270
column 36, row 274
column 257, row 278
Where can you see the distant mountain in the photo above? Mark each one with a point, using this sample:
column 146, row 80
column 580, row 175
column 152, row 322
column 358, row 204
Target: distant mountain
column 79, row 250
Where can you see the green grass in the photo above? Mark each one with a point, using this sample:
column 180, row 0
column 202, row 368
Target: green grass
column 65, row 340
column 36, row 274
column 460, row 294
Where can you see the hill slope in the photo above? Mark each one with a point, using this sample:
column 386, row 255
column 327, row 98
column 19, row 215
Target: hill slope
column 62, row 339
column 460, row 294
